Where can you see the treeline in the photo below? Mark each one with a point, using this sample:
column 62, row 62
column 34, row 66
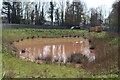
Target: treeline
column 13, row 11
column 114, row 17
column 60, row 13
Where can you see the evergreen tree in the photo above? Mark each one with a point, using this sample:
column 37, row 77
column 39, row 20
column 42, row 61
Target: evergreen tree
column 6, row 10
column 96, row 17
column 74, row 12
column 51, row 10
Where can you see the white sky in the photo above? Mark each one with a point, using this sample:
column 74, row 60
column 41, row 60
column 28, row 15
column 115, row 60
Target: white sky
column 97, row 3
column 105, row 4
column 89, row 3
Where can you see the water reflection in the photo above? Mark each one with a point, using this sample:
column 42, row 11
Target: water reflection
column 56, row 52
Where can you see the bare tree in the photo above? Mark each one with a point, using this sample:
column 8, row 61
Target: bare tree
column 6, row 10
column 57, row 16
column 62, row 5
column 13, row 11
column 32, row 16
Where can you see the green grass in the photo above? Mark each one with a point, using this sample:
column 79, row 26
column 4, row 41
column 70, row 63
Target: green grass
column 0, row 65
column 17, row 68
column 114, row 76
column 10, row 35
column 23, row 69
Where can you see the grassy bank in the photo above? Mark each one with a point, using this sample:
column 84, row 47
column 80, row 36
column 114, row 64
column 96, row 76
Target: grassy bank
column 105, row 65
column 10, row 35
column 17, row 68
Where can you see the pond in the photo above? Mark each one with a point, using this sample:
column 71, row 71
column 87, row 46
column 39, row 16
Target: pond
column 60, row 50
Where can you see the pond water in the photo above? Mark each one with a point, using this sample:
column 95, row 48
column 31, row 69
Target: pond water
column 55, row 50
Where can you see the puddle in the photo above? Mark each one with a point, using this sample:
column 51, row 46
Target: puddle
column 61, row 50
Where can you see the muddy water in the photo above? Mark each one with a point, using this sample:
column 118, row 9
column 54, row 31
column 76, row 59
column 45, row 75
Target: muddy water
column 55, row 50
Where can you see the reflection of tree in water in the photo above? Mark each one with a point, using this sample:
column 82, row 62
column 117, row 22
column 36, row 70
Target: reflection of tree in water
column 78, row 58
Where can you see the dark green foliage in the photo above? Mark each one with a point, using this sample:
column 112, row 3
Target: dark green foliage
column 96, row 17
column 73, row 13
column 13, row 11
column 39, row 19
column 7, row 7
column 114, row 17
column 51, row 10
column 76, row 58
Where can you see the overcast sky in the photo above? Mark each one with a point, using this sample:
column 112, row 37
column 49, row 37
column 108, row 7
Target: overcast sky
column 96, row 3
column 105, row 4
column 89, row 3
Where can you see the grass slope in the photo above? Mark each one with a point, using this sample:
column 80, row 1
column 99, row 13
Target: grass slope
column 17, row 68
